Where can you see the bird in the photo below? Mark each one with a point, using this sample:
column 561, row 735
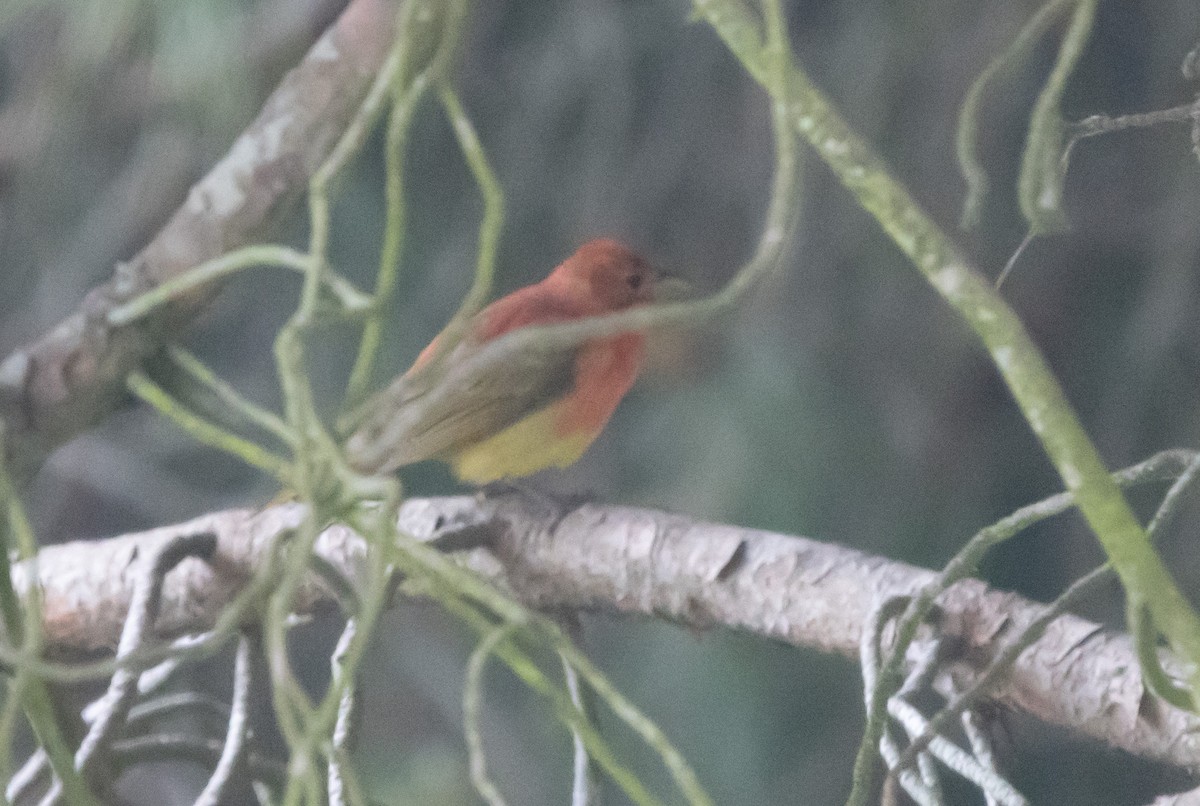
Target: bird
column 539, row 407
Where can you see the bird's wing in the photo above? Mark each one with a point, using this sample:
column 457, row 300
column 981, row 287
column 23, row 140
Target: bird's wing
column 418, row 417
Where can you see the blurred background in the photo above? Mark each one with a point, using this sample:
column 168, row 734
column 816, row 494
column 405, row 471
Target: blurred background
column 843, row 401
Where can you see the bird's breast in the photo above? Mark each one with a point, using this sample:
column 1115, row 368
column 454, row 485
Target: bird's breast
column 604, row 372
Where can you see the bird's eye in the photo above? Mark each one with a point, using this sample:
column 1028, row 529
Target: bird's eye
column 635, row 281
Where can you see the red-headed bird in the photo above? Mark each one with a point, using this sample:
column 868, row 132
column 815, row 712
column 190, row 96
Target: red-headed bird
column 541, row 408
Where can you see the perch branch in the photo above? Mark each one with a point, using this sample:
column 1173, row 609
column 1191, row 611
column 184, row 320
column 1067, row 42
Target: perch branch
column 636, row 561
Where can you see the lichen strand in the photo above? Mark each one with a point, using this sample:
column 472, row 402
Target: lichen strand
column 1014, row 353
column 1026, row 372
column 740, row 34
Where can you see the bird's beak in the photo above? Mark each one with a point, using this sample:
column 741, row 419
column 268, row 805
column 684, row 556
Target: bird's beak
column 669, row 288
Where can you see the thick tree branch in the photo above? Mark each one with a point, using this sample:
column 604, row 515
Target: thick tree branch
column 648, row 563
column 72, row 377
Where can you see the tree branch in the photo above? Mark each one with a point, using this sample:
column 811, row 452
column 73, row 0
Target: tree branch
column 637, row 561
column 73, row 376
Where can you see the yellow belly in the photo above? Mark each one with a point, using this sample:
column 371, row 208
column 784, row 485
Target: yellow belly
column 529, row 445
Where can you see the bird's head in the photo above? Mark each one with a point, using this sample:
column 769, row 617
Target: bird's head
column 610, row 274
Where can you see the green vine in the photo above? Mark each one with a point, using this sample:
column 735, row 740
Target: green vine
column 428, row 37
column 1033, row 385
column 1148, row 584
column 23, row 625
column 1043, row 169
column 967, row 137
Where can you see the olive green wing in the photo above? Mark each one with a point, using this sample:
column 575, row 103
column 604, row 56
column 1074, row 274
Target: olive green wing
column 472, row 395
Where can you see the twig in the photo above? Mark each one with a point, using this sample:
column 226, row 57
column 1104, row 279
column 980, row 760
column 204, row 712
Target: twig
column 1196, row 128
column 416, row 25
column 460, row 590
column 967, row 135
column 528, row 672
column 206, row 273
column 343, row 789
column 111, row 709
column 249, row 452
column 315, row 723
column 1040, row 184
column 143, row 611
column 168, row 705
column 341, row 588
column 876, row 690
column 921, row 675
column 1094, row 125
column 1002, row 662
column 585, row 783
column 1006, row 657
column 233, row 752
column 241, row 595
column 24, row 624
column 318, row 474
column 32, row 771
column 954, row 757
column 981, row 748
column 1013, row 258
column 206, row 752
column 489, row 231
column 963, row 564
column 1174, row 497
column 180, row 650
column 232, row 400
column 472, row 705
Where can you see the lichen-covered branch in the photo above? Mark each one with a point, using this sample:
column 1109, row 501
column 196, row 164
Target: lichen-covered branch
column 636, row 561
column 72, row 377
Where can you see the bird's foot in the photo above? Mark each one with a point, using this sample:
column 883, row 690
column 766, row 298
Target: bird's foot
column 553, row 507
